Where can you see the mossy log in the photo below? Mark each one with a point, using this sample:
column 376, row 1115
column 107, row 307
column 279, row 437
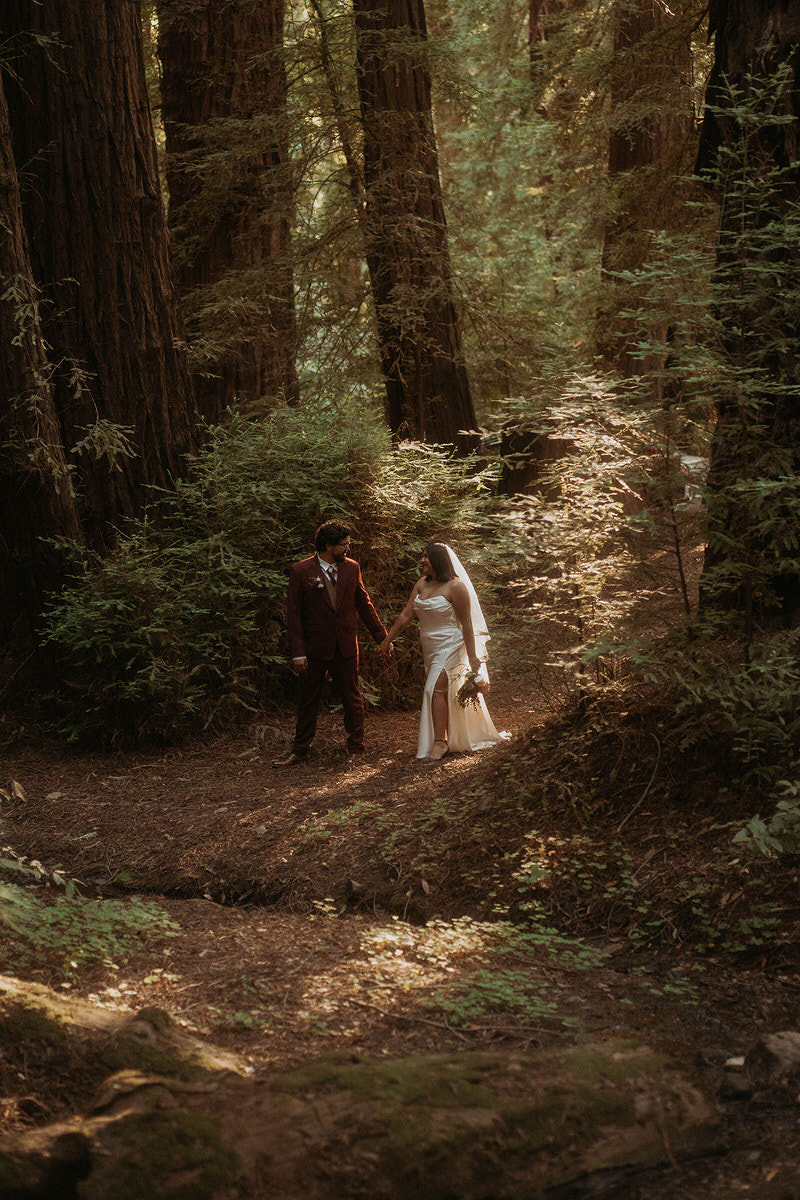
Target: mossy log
column 462, row 1126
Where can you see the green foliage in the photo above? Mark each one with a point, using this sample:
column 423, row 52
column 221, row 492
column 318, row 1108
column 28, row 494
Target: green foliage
column 780, row 834
column 611, row 532
column 337, row 347
column 65, row 933
column 750, row 707
column 518, row 987
column 512, row 991
column 106, row 440
column 521, row 176
column 183, row 625
column 712, row 906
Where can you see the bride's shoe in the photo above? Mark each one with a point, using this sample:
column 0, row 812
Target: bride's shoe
column 438, row 750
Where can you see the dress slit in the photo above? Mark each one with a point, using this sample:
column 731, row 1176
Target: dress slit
column 443, row 650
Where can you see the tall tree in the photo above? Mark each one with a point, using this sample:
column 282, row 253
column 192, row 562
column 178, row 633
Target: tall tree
column 750, row 148
column 36, row 501
column 650, row 116
column 427, row 389
column 230, row 189
column 83, row 139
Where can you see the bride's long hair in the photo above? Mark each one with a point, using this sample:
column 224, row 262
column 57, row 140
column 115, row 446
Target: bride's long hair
column 441, row 562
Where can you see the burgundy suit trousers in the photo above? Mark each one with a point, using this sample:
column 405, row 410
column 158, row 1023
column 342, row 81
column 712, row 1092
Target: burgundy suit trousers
column 344, row 677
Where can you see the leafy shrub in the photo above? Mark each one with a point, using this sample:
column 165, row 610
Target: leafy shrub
column 751, row 707
column 780, row 833
column 714, row 324
column 69, row 931
column 183, row 625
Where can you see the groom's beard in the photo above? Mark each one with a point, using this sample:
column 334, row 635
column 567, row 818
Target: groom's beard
column 339, row 558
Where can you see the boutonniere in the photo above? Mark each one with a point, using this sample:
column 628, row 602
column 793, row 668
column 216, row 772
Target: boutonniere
column 316, row 582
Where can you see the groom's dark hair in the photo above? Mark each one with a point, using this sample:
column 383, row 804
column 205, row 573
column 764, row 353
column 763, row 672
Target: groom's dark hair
column 330, row 534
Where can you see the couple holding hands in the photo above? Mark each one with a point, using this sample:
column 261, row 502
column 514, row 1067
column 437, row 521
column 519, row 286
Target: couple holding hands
column 326, row 597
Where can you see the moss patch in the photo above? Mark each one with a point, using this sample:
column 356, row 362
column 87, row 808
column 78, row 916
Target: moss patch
column 149, row 1156
column 474, row 1125
column 435, row 1080
column 31, row 1020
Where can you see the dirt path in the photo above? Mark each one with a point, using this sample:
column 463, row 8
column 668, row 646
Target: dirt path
column 316, row 965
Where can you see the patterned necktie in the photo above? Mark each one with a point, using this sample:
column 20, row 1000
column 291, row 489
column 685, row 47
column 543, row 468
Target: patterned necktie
column 332, row 575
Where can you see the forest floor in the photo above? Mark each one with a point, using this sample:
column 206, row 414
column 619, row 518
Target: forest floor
column 326, row 907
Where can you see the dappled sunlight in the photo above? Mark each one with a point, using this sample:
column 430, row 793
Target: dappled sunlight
column 538, row 855
column 466, row 974
column 399, row 961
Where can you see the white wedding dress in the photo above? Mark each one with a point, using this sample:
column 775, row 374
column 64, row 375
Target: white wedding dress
column 471, row 727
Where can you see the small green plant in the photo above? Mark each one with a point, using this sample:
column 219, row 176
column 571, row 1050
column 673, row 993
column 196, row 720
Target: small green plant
column 508, row 990
column 67, row 932
column 719, row 906
column 780, row 833
column 676, row 985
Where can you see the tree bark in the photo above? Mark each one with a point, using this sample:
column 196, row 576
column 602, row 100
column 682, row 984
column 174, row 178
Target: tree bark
column 650, row 106
column 751, row 562
column 36, row 500
column 231, row 199
column 427, row 389
column 83, row 139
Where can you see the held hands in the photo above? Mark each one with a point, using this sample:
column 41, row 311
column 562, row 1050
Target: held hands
column 386, row 649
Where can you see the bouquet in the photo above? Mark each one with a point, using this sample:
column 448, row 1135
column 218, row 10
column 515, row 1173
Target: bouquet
column 475, row 685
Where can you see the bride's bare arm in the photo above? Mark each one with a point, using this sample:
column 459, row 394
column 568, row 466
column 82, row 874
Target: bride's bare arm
column 402, row 622
column 459, row 598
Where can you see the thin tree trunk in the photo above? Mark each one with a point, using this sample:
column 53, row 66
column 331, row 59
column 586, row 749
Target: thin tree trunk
column 83, row 139
column 230, row 189
column 543, row 17
column 36, row 500
column 427, row 388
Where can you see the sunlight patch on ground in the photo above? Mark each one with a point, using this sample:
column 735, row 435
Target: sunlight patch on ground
column 464, row 970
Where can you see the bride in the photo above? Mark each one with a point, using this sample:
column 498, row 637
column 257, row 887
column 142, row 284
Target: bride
column 453, row 635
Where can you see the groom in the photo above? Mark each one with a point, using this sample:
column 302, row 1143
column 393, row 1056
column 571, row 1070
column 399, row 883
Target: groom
column 326, row 595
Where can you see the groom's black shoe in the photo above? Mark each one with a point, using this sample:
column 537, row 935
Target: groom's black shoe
column 289, row 760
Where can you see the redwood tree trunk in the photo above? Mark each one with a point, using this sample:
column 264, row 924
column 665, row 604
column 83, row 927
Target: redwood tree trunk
column 427, row 388
column 751, row 560
column 230, row 189
column 650, row 106
column 99, row 249
column 36, row 500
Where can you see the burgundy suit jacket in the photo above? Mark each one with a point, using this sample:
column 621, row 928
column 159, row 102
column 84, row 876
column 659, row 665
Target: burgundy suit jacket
column 316, row 628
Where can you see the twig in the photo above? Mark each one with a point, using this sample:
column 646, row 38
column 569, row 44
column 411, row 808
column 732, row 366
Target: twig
column 649, row 785
column 15, row 673
column 404, row 1017
column 520, row 1029
column 662, row 1129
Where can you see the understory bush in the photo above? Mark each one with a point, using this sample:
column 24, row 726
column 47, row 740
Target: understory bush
column 183, row 625
column 46, row 923
column 620, row 533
